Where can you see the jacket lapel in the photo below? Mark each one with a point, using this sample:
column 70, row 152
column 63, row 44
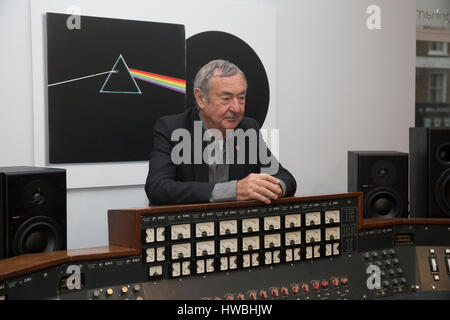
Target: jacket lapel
column 200, row 169
column 238, row 171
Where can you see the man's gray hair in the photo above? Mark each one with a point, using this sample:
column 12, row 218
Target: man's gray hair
column 202, row 80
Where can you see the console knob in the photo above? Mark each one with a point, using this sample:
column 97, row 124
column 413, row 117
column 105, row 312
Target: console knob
column 305, row 288
column 263, row 294
column 335, row 282
column 274, row 292
column 295, row 289
column 316, row 285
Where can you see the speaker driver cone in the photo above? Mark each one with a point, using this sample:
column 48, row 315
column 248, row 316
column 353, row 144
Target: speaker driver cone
column 37, row 234
column 383, row 203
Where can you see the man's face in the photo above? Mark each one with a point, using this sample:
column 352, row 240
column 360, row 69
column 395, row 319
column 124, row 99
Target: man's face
column 226, row 105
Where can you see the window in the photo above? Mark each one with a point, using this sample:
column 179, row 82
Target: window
column 437, row 88
column 438, row 48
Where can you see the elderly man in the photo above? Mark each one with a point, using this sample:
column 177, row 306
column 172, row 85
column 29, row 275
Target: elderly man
column 227, row 171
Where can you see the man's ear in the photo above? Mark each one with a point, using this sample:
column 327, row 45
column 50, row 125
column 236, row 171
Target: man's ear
column 200, row 98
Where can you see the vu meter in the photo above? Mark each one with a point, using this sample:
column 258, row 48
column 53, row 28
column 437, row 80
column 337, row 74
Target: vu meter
column 161, row 234
column 272, row 240
column 181, row 251
column 332, row 233
column 292, row 221
column 293, row 238
column 272, row 223
column 150, row 255
column 228, row 245
column 332, row 216
column 181, row 231
column 250, row 243
column 312, row 219
column 228, row 227
column 312, row 236
column 150, row 235
column 205, row 248
column 160, row 254
column 250, row 225
column 204, row 229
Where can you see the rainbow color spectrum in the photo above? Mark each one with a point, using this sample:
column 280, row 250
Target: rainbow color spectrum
column 160, row 80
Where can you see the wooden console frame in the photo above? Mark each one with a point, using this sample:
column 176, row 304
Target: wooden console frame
column 124, row 227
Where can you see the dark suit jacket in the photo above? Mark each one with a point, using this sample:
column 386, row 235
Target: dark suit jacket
column 168, row 183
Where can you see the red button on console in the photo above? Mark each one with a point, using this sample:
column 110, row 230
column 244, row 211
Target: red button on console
column 305, row 288
column 263, row 294
column 335, row 282
column 316, row 285
column 295, row 289
column 274, row 292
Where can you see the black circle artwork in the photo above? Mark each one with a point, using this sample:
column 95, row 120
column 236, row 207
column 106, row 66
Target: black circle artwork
column 210, row 45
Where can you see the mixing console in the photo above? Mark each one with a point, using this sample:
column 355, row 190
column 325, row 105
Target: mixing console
column 207, row 241
column 309, row 248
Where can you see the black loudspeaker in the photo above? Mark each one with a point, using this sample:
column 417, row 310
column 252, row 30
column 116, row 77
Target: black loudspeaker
column 430, row 172
column 383, row 178
column 32, row 210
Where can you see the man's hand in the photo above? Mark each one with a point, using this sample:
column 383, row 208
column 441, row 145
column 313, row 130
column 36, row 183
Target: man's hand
column 262, row 187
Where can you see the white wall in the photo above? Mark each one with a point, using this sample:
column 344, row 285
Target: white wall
column 342, row 87
column 339, row 87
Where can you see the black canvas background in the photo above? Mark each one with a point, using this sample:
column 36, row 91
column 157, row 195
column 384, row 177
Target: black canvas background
column 88, row 126
column 204, row 47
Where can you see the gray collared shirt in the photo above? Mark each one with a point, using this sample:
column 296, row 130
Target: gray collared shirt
column 219, row 172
